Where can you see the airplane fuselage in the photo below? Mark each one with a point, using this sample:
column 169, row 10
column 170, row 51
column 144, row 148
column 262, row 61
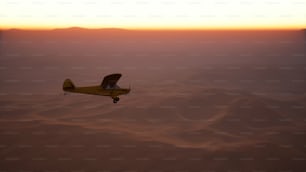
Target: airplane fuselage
column 98, row 90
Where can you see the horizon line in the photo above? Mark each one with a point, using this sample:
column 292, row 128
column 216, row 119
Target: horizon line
column 152, row 29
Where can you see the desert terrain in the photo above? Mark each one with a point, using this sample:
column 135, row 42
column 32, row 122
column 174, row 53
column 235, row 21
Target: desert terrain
column 200, row 101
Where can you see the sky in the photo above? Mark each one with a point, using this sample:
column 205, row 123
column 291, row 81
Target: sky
column 154, row 14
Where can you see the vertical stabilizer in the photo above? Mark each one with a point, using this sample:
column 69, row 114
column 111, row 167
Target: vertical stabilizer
column 68, row 85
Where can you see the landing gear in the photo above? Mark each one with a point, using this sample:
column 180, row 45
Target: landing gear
column 116, row 99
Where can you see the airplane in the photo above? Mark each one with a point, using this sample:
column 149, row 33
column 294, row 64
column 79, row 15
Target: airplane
column 108, row 87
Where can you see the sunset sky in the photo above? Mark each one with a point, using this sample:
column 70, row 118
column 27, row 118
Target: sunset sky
column 157, row 14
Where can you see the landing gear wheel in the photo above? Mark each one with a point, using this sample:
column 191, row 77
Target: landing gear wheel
column 116, row 99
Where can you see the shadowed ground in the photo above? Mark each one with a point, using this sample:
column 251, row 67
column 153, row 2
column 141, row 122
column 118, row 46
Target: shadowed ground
column 200, row 101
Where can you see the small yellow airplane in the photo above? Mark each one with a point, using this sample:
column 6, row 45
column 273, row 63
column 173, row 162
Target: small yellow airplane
column 108, row 87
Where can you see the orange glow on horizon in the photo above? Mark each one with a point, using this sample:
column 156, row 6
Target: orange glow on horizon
column 154, row 15
column 155, row 28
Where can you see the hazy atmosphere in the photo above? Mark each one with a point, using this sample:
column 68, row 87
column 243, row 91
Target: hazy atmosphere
column 158, row 14
column 199, row 100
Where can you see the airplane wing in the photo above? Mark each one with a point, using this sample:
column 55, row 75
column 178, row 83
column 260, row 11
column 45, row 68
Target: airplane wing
column 110, row 81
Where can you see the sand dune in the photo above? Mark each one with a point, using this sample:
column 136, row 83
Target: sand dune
column 156, row 137
column 215, row 114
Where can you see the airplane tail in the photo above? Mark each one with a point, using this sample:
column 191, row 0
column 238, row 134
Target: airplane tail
column 68, row 85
